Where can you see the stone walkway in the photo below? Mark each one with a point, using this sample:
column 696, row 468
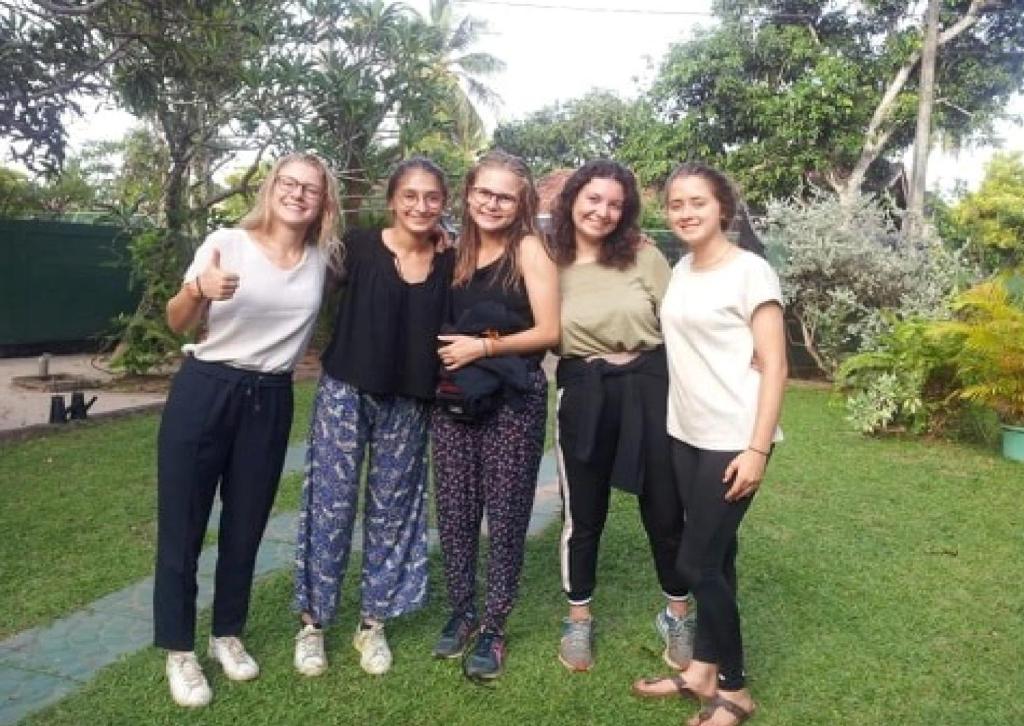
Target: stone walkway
column 41, row 666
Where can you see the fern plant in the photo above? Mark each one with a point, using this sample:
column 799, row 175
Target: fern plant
column 990, row 333
column 903, row 383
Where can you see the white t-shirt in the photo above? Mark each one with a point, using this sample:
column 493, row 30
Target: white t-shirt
column 705, row 318
column 268, row 322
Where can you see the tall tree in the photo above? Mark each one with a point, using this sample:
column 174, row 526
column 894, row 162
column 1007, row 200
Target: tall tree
column 48, row 60
column 786, row 92
column 366, row 87
column 991, row 219
column 598, row 124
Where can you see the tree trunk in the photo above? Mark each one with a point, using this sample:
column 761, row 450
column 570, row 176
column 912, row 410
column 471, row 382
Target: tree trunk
column 922, row 139
column 880, row 128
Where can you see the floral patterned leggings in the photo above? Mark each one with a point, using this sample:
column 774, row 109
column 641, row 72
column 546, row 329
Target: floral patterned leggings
column 394, row 578
column 491, row 465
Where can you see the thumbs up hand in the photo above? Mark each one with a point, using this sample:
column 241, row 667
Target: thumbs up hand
column 216, row 283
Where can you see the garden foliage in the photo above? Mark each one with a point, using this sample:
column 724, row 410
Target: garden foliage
column 989, row 334
column 849, row 275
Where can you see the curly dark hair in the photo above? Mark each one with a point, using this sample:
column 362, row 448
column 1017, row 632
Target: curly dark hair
column 619, row 248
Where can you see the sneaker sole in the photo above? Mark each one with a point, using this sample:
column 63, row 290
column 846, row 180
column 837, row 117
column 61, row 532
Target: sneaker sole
column 484, row 676
column 310, row 672
column 671, row 663
column 575, row 668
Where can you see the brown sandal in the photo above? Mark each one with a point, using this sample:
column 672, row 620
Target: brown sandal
column 681, row 689
column 708, row 710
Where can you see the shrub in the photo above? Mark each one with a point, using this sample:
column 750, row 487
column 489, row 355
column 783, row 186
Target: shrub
column 903, row 383
column 989, row 331
column 848, row 274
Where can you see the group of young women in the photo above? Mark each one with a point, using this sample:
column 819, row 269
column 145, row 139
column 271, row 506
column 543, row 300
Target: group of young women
column 669, row 386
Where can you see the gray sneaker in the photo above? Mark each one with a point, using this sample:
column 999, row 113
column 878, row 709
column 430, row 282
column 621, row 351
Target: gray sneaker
column 677, row 633
column 575, row 650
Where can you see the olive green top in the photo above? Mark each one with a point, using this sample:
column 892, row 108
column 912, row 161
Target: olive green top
column 605, row 310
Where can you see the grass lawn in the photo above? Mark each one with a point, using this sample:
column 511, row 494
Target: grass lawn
column 78, row 514
column 880, row 583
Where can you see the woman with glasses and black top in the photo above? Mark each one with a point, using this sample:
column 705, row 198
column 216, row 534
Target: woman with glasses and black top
column 257, row 290
column 504, row 275
column 374, row 398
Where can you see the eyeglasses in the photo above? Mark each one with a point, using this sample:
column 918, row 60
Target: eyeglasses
column 484, row 197
column 410, row 199
column 289, row 185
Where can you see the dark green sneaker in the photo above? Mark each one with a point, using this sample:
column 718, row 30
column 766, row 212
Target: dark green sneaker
column 487, row 659
column 457, row 632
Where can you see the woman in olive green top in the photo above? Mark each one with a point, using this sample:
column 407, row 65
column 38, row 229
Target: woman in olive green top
column 612, row 391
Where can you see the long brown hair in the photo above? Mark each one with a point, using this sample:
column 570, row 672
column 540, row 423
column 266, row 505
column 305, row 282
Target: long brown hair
column 323, row 232
column 523, row 224
column 619, row 248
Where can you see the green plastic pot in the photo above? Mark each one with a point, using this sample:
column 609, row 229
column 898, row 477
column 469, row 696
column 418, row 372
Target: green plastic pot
column 1013, row 442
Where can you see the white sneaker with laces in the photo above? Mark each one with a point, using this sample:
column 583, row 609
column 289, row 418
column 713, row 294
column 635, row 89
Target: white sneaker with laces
column 373, row 645
column 310, row 655
column 185, row 676
column 230, row 653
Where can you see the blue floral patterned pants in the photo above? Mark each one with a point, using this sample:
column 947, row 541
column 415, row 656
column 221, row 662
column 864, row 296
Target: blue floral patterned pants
column 346, row 423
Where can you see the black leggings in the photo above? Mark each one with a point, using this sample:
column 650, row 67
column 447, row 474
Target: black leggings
column 707, row 557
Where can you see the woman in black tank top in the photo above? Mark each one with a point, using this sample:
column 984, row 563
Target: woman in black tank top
column 505, row 287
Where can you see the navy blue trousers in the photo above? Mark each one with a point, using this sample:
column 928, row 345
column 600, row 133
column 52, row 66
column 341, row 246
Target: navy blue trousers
column 225, row 426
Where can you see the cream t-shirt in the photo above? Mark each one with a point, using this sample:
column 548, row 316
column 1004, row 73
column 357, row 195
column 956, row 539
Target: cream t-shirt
column 705, row 318
column 268, row 322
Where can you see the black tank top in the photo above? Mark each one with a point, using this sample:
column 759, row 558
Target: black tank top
column 488, row 283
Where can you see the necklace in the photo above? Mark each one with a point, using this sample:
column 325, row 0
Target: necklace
column 715, row 262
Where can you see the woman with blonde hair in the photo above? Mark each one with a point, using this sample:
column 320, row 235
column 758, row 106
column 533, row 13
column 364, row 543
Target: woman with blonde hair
column 257, row 290
column 487, row 448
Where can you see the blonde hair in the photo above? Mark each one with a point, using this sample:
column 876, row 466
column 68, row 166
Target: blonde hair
column 323, row 231
column 522, row 225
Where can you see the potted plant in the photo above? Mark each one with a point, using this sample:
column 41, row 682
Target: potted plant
column 990, row 359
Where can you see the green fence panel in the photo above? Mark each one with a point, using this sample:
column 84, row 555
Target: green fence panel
column 61, row 282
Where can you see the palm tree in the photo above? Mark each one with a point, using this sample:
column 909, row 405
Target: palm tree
column 461, row 68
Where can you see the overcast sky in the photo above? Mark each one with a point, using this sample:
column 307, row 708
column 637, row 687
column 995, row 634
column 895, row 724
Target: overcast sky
column 555, row 53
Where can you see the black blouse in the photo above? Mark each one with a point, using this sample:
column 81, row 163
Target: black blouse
column 385, row 334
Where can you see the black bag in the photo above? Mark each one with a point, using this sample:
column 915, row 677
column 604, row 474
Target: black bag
column 451, row 399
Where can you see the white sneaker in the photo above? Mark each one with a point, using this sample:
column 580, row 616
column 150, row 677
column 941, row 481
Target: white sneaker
column 310, row 656
column 373, row 644
column 188, row 684
column 238, row 665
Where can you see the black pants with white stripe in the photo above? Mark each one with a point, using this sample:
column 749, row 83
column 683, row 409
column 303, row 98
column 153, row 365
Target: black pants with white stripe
column 586, row 489
column 225, row 426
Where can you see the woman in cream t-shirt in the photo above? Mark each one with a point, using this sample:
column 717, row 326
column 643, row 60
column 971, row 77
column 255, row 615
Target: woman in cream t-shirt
column 722, row 309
